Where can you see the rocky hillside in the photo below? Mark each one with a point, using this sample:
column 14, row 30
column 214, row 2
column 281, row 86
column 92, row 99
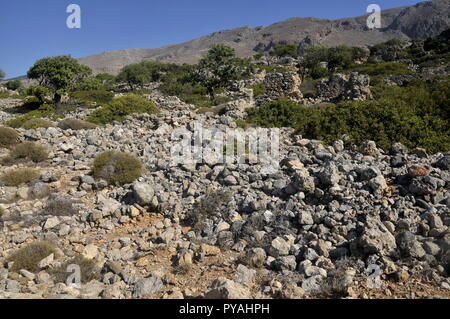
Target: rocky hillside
column 421, row 21
column 312, row 229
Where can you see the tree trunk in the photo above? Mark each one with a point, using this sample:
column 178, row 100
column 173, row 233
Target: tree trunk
column 212, row 95
column 57, row 100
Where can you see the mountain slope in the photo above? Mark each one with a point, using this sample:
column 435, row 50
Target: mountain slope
column 420, row 21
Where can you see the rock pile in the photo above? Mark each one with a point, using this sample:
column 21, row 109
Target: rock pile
column 314, row 226
column 338, row 87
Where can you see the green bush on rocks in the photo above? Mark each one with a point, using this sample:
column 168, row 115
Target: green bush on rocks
column 117, row 167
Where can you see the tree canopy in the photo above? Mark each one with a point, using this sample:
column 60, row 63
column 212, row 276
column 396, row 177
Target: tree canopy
column 219, row 68
column 59, row 74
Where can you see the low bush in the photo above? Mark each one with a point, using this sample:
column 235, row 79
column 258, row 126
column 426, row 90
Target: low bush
column 283, row 50
column 92, row 97
column 258, row 89
column 28, row 151
column 60, row 205
column 45, row 110
column 207, row 205
column 16, row 177
column 75, row 125
column 29, row 256
column 13, row 85
column 8, row 137
column 4, row 95
column 378, row 71
column 309, row 88
column 416, row 115
column 120, row 107
column 37, row 123
column 117, row 167
column 88, row 269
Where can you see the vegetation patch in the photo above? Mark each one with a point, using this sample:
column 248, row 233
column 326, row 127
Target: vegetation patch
column 120, row 107
column 75, row 125
column 60, row 205
column 88, row 269
column 28, row 151
column 37, row 123
column 118, row 167
column 416, row 115
column 45, row 110
column 258, row 89
column 94, row 97
column 29, row 256
column 8, row 137
column 16, row 177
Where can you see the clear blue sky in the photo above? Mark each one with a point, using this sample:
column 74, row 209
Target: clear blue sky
column 32, row 29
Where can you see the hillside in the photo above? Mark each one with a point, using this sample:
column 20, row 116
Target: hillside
column 420, row 21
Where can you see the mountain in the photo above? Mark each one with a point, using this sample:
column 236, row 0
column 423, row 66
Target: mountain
column 419, row 21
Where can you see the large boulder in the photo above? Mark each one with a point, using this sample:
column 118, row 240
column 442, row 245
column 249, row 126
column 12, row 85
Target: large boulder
column 143, row 193
column 338, row 87
column 376, row 238
column 223, row 288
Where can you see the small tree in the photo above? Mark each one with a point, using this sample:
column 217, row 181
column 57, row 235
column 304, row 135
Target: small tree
column 40, row 92
column 218, row 69
column 89, row 84
column 13, row 85
column 283, row 50
column 106, row 79
column 59, row 74
column 2, row 74
column 139, row 74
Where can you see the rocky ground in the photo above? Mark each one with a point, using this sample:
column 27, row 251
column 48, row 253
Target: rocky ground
column 314, row 229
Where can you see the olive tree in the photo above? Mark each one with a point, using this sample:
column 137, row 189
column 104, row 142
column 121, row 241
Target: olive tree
column 59, row 74
column 218, row 69
column 139, row 74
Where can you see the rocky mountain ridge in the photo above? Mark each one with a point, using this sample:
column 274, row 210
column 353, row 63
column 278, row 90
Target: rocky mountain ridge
column 420, row 21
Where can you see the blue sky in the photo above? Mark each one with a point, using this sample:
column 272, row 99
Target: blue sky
column 32, row 29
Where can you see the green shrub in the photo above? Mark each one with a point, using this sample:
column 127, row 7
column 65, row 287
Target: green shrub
column 416, row 115
column 75, row 125
column 309, row 88
column 45, row 110
column 258, row 89
column 91, row 97
column 283, row 50
column 338, row 59
column 88, row 269
column 13, row 85
column 4, row 95
column 37, row 123
column 90, row 83
column 378, row 71
column 8, row 137
column 28, row 151
column 120, row 107
column 117, row 167
column 39, row 92
column 29, row 256
column 16, row 177
column 242, row 124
